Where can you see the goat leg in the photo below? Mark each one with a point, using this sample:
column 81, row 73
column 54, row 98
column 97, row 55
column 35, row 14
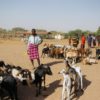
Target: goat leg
column 40, row 84
column 44, row 82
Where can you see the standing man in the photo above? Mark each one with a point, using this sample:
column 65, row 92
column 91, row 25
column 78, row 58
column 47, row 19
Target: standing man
column 33, row 42
column 83, row 41
column 89, row 40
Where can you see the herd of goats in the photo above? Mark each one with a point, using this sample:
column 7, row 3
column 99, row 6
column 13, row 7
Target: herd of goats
column 69, row 52
column 11, row 75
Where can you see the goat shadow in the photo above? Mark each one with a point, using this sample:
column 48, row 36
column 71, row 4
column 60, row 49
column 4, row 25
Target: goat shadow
column 28, row 93
column 86, row 83
column 53, row 63
column 52, row 87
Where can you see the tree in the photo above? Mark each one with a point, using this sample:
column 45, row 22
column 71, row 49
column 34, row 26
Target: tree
column 18, row 29
column 98, row 31
column 3, row 31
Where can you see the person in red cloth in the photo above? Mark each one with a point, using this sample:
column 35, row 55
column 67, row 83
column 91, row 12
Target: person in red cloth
column 83, row 39
column 33, row 42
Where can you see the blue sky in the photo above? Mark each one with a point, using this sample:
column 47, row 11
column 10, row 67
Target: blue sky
column 59, row 15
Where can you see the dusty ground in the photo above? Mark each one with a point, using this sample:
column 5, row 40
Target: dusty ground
column 14, row 52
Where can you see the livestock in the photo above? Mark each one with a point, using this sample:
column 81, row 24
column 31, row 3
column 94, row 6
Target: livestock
column 66, row 84
column 2, row 64
column 8, row 68
column 79, row 77
column 26, row 77
column 16, row 71
column 84, row 52
column 72, row 73
column 8, row 83
column 40, row 73
column 98, row 53
column 45, row 51
column 76, row 75
column 75, row 41
column 57, row 51
column 52, row 51
column 89, row 60
column 17, row 74
column 72, row 54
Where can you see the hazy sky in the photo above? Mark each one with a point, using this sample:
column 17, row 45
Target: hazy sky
column 59, row 15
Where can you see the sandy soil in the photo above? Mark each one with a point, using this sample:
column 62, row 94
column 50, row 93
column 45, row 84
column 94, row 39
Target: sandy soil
column 14, row 52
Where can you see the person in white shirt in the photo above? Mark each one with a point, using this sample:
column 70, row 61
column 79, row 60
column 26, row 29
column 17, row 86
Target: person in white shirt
column 32, row 50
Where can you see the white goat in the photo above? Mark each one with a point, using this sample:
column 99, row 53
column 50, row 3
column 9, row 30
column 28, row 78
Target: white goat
column 16, row 74
column 79, row 75
column 89, row 60
column 66, row 85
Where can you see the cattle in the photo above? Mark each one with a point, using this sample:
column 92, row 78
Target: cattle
column 40, row 74
column 9, row 84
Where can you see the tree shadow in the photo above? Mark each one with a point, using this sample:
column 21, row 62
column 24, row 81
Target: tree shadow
column 53, row 63
column 28, row 93
column 86, row 83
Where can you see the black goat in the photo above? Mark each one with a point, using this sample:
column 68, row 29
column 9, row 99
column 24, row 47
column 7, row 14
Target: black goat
column 45, row 51
column 8, row 83
column 40, row 73
column 2, row 63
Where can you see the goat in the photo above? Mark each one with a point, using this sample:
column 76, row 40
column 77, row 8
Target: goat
column 2, row 64
column 27, row 77
column 89, row 60
column 56, row 51
column 98, row 53
column 72, row 54
column 45, row 50
column 9, row 83
column 66, row 84
column 40, row 73
column 79, row 77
